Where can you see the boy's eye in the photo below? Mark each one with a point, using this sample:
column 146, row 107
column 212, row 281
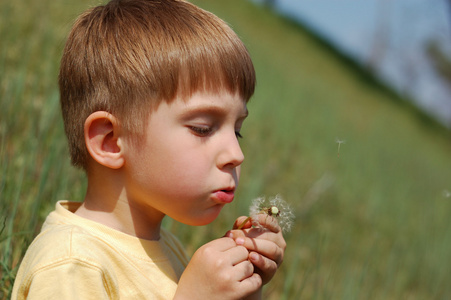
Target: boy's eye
column 201, row 131
column 205, row 131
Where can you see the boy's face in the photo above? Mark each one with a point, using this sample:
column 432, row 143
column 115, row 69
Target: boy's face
column 188, row 165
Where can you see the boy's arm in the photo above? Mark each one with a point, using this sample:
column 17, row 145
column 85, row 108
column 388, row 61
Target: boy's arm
column 219, row 270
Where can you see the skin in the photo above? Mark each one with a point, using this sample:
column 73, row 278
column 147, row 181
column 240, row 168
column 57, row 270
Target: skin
column 186, row 166
column 266, row 245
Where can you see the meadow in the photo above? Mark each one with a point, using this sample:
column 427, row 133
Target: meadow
column 372, row 213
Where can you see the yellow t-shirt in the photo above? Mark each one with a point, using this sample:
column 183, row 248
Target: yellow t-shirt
column 75, row 258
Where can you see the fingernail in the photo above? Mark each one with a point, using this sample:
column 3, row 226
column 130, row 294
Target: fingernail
column 254, row 256
column 239, row 241
column 229, row 234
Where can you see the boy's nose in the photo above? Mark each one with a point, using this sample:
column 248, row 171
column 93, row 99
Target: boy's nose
column 231, row 154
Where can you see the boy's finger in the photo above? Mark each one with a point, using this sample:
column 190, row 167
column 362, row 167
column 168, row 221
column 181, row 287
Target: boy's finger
column 244, row 270
column 251, row 284
column 268, row 222
column 222, row 244
column 237, row 255
column 234, row 234
column 264, row 247
column 263, row 263
column 257, row 233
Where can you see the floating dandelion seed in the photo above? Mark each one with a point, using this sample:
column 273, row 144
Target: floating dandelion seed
column 339, row 142
column 275, row 207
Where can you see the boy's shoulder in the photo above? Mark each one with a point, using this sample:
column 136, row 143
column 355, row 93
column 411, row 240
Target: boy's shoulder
column 60, row 242
column 66, row 236
column 62, row 255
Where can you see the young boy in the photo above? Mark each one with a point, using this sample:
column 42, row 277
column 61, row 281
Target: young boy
column 153, row 96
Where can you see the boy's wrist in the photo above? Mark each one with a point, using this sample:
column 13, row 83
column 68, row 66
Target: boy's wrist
column 255, row 296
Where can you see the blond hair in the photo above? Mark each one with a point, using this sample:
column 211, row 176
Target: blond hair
column 127, row 56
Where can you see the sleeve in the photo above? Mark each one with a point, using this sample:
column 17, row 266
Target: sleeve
column 72, row 279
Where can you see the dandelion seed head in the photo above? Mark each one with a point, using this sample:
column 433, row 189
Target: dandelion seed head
column 255, row 209
column 274, row 211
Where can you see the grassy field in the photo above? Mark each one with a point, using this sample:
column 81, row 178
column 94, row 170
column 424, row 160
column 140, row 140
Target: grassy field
column 371, row 223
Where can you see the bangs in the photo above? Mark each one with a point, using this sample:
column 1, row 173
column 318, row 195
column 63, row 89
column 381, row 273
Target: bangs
column 216, row 65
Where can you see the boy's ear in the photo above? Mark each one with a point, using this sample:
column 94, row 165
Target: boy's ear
column 102, row 139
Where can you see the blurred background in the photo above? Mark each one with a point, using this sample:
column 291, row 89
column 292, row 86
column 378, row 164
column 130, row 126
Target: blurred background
column 406, row 43
column 349, row 123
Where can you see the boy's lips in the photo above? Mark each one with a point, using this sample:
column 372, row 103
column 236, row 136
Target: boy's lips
column 224, row 196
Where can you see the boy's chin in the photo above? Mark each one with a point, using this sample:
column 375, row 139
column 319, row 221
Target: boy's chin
column 205, row 219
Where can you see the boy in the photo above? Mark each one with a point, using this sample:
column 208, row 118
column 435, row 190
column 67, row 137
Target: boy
column 153, row 96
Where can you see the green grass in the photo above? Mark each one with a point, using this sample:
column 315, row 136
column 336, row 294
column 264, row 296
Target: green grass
column 371, row 224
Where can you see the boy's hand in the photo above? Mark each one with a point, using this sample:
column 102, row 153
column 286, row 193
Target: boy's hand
column 219, row 270
column 266, row 244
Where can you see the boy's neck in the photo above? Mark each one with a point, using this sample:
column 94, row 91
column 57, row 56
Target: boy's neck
column 106, row 202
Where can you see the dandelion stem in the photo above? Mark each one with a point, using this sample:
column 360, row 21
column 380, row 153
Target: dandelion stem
column 244, row 222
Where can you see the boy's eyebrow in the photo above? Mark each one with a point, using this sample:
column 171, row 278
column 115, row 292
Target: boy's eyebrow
column 212, row 109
